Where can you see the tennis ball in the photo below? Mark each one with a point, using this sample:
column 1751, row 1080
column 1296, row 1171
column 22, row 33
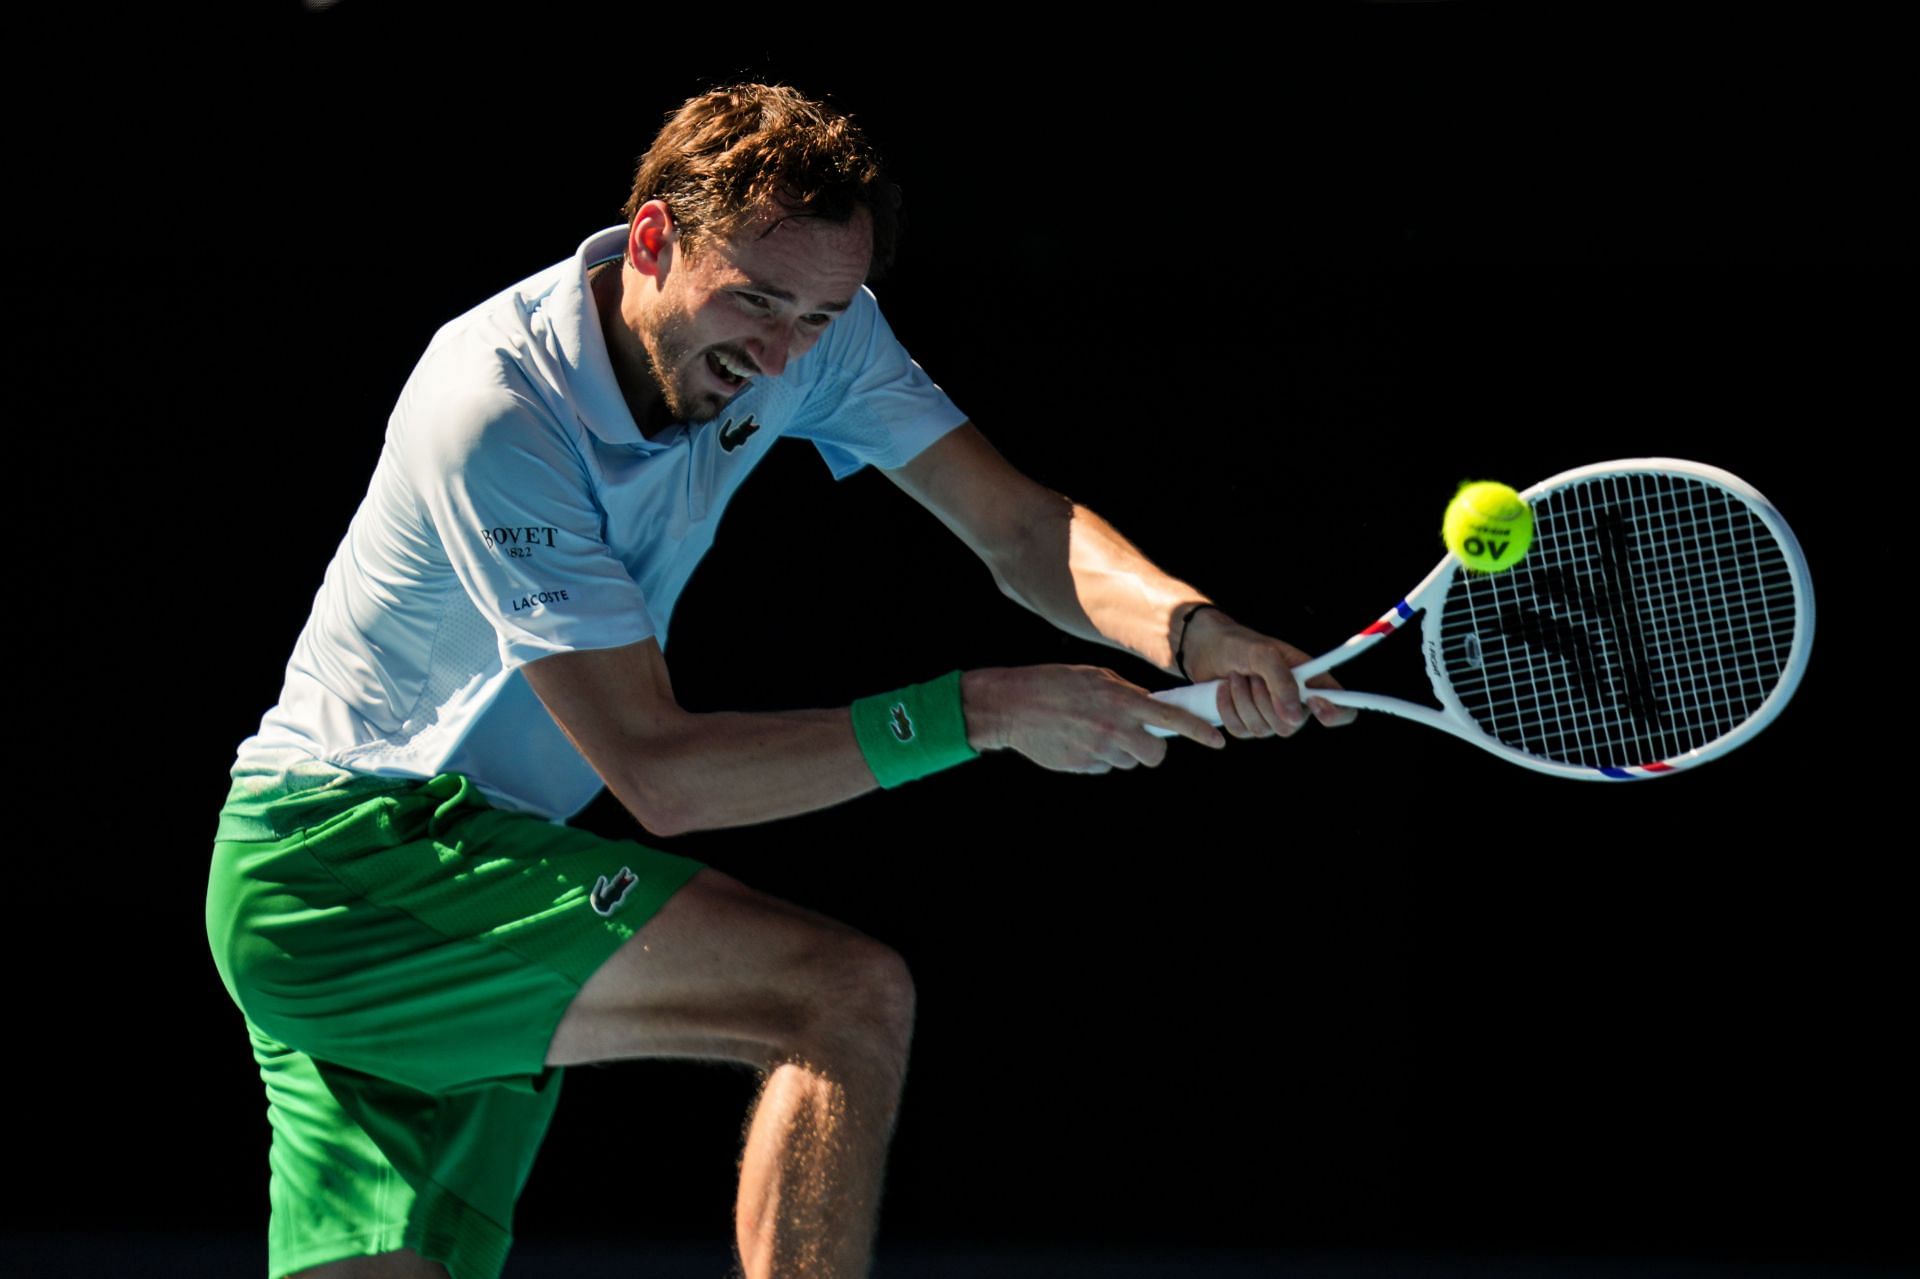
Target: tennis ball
column 1487, row 526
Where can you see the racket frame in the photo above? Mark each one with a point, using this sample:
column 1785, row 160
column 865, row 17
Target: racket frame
column 1427, row 601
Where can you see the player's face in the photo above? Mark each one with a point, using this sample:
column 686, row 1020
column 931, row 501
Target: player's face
column 741, row 308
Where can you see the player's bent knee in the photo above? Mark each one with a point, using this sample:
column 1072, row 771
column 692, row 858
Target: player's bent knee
column 726, row 972
column 840, row 993
column 871, row 993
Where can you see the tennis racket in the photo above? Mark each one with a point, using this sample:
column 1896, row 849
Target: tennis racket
column 1662, row 616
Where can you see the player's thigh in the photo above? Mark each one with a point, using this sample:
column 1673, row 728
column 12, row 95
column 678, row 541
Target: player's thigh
column 724, row 971
column 422, row 936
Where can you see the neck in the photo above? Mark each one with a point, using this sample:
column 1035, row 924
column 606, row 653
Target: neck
column 632, row 369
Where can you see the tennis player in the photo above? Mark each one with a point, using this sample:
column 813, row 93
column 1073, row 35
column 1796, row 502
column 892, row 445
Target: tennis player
column 418, row 944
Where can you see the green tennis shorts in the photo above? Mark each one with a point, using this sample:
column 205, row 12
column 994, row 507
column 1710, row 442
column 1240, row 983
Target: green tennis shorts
column 403, row 952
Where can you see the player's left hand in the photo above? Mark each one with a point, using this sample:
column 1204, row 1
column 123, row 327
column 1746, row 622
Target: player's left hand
column 1258, row 696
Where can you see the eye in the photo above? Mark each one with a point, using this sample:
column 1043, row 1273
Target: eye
column 754, row 301
column 816, row 320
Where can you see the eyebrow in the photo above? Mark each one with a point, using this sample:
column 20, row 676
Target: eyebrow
column 785, row 295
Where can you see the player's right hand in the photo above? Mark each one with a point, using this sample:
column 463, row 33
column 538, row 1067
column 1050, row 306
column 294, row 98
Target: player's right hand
column 1073, row 719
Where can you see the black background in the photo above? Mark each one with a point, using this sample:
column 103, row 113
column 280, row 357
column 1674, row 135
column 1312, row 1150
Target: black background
column 1261, row 295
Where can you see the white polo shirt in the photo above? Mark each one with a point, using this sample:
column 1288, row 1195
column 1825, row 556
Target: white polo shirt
column 517, row 511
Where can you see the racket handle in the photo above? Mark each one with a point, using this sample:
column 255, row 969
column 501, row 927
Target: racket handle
column 1202, row 699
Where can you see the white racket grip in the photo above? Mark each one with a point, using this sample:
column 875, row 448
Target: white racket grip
column 1203, row 699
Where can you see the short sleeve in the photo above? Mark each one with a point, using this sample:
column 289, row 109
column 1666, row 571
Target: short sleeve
column 513, row 505
column 869, row 403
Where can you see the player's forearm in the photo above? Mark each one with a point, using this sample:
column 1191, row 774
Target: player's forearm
column 1079, row 573
column 676, row 770
column 732, row 768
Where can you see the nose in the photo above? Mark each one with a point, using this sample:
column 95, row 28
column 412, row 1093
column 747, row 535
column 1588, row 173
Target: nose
column 771, row 349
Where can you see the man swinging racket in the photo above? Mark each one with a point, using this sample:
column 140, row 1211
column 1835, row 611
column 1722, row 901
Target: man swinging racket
column 417, row 944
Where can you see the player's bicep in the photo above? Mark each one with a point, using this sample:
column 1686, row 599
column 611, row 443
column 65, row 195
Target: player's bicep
column 986, row 502
column 616, row 706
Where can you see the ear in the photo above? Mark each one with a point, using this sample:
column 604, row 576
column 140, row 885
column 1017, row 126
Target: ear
column 651, row 239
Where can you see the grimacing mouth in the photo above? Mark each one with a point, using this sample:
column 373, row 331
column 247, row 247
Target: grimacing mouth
column 732, row 369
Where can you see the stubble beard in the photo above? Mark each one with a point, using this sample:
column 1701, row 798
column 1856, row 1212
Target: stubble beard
column 670, row 351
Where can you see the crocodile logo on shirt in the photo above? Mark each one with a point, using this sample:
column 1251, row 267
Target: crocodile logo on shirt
column 610, row 894
column 733, row 435
column 902, row 722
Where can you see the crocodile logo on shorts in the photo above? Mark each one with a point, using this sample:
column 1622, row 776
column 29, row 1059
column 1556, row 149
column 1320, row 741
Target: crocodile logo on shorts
column 732, row 436
column 609, row 894
column 902, row 722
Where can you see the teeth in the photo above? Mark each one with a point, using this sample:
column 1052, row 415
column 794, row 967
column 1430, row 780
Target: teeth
column 731, row 367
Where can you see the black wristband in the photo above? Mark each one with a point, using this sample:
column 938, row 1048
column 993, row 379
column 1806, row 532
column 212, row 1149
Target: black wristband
column 1180, row 653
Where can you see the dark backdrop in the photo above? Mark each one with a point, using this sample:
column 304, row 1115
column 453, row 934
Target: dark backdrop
column 1261, row 296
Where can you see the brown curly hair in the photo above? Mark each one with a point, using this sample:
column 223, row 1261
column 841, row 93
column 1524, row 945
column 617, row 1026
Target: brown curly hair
column 722, row 155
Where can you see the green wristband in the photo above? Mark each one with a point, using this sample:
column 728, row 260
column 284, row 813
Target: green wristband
column 913, row 731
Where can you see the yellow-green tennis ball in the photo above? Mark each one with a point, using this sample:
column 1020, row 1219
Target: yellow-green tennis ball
column 1487, row 526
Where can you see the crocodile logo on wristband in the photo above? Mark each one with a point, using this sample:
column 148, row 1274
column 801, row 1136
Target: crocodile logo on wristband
column 610, row 894
column 913, row 731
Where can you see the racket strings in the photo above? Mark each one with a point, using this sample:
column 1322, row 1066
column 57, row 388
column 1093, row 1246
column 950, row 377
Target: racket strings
column 1653, row 614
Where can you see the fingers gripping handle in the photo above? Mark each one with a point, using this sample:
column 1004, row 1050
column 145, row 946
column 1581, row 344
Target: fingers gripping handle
column 1203, row 699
